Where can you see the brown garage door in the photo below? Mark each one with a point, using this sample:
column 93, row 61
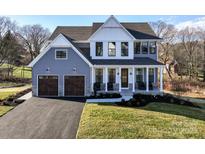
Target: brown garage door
column 74, row 85
column 47, row 85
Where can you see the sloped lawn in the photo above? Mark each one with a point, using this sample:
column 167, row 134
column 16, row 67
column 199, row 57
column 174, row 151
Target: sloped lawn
column 7, row 92
column 156, row 120
column 4, row 109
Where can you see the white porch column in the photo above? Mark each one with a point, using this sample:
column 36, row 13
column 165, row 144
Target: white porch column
column 133, row 79
column 119, row 78
column 147, row 79
column 92, row 79
column 106, row 78
column 161, row 78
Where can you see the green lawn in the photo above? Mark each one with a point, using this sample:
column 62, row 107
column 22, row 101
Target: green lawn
column 9, row 84
column 6, row 92
column 4, row 109
column 18, row 71
column 156, row 120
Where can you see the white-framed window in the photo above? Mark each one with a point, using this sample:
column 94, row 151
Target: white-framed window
column 111, row 49
column 137, row 47
column 152, row 47
column 99, row 48
column 124, row 48
column 61, row 54
column 145, row 47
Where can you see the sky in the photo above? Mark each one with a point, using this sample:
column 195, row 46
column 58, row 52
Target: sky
column 52, row 21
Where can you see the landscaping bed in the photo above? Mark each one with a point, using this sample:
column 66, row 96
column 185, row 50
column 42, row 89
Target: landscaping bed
column 11, row 99
column 144, row 99
column 104, row 95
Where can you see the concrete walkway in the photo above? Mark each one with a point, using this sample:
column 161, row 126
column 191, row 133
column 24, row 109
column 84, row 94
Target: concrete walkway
column 26, row 96
column 42, row 118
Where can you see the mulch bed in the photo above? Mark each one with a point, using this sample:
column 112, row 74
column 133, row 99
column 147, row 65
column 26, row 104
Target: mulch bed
column 12, row 100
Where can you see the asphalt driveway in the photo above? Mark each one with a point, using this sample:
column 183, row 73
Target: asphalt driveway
column 42, row 118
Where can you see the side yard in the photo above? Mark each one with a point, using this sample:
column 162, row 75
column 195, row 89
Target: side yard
column 7, row 92
column 156, row 120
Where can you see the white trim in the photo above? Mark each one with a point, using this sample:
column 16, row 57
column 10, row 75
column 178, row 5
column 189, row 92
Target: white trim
column 126, row 66
column 147, row 79
column 133, row 79
column 119, row 78
column 47, row 75
column 74, row 75
column 161, row 79
column 111, row 17
column 92, row 79
column 51, row 46
column 66, row 50
column 106, row 79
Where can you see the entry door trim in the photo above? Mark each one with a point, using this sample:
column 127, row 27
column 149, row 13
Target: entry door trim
column 127, row 78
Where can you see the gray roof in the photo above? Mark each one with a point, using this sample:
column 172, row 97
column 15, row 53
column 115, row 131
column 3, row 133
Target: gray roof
column 79, row 33
column 135, row 61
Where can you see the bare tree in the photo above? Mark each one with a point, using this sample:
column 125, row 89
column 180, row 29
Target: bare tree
column 190, row 39
column 33, row 37
column 5, row 25
column 168, row 34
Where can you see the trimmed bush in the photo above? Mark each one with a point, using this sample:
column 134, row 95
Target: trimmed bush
column 105, row 95
column 144, row 99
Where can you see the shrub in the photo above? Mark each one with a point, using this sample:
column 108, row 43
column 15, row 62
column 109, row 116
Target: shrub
column 105, row 95
column 144, row 99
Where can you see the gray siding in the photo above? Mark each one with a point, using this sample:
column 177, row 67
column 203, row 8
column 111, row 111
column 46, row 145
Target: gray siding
column 61, row 68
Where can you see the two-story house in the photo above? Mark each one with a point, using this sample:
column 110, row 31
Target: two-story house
column 107, row 57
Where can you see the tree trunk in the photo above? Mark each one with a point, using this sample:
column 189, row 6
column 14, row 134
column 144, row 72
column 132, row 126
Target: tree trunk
column 204, row 62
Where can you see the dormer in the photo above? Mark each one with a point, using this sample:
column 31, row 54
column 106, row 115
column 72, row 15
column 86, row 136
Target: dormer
column 111, row 41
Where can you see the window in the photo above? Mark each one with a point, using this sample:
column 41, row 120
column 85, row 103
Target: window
column 111, row 49
column 144, row 47
column 152, row 47
column 151, row 75
column 99, row 75
column 137, row 47
column 111, row 75
column 124, row 48
column 139, row 75
column 99, row 48
column 61, row 54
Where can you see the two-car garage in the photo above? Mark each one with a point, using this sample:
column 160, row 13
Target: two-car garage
column 48, row 85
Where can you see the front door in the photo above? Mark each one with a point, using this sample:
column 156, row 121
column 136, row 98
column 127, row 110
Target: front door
column 124, row 77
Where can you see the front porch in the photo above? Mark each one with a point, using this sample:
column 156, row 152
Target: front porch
column 127, row 79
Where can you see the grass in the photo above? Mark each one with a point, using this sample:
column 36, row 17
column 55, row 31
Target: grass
column 4, row 109
column 7, row 92
column 18, row 71
column 9, row 84
column 156, row 120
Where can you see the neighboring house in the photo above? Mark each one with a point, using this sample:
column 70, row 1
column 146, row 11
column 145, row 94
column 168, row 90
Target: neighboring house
column 107, row 57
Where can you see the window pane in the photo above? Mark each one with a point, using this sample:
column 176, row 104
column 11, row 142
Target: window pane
column 151, row 74
column 139, row 75
column 111, row 49
column 61, row 54
column 124, row 48
column 137, row 47
column 144, row 47
column 99, row 75
column 111, row 77
column 99, row 48
column 152, row 48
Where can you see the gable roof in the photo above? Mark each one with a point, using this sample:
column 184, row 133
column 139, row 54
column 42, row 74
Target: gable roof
column 116, row 21
column 69, row 43
column 82, row 33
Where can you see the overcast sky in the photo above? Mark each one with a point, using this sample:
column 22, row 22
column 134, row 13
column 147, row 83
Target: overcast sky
column 52, row 21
